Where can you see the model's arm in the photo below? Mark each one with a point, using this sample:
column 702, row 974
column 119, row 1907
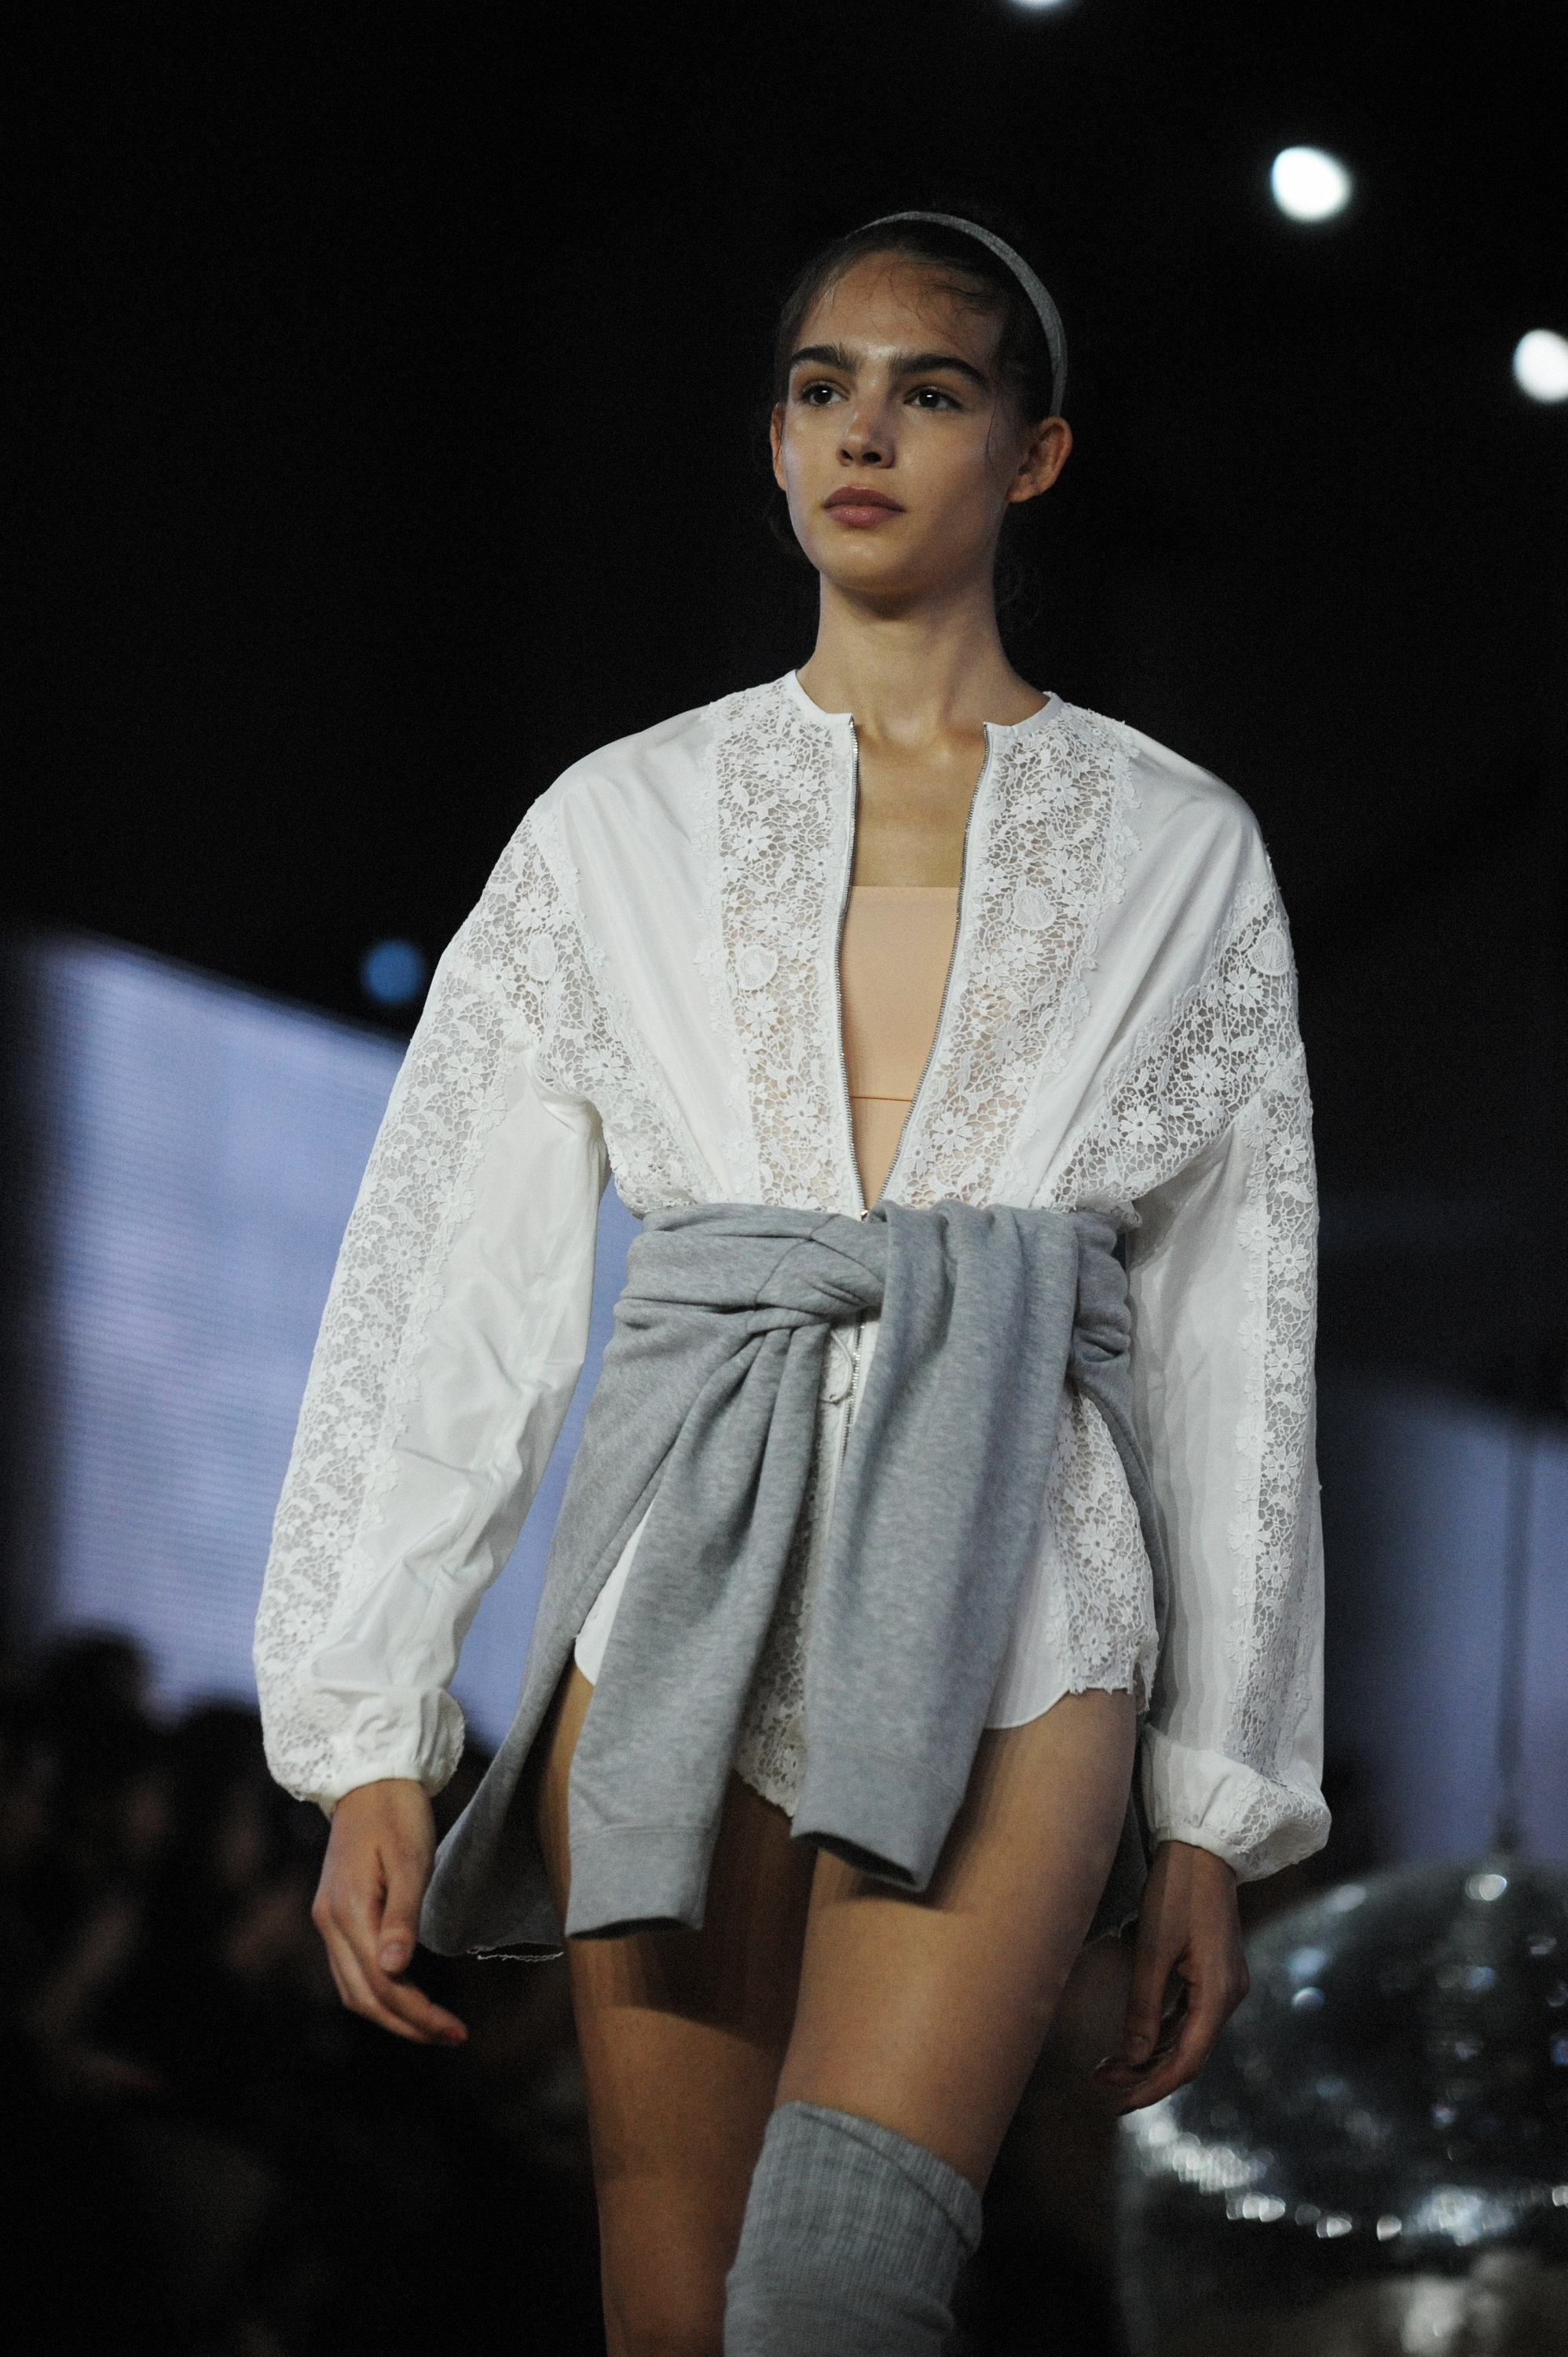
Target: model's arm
column 1222, row 1287
column 1223, row 1295
column 451, row 1341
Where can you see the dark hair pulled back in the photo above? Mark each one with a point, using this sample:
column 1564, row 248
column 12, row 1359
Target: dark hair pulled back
column 972, row 273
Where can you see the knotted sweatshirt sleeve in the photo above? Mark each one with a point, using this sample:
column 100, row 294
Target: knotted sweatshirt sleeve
column 453, row 1334
column 1206, row 1131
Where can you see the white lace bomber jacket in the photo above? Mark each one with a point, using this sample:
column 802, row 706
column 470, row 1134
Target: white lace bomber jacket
column 649, row 984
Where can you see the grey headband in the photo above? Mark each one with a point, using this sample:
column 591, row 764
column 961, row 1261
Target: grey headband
column 1050, row 319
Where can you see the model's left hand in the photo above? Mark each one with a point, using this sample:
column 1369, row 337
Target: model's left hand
column 1189, row 1974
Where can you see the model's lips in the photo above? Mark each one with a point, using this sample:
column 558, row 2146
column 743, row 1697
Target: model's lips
column 857, row 503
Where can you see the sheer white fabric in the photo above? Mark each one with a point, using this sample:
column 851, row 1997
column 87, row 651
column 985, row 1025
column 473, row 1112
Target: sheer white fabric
column 650, row 983
column 1086, row 1619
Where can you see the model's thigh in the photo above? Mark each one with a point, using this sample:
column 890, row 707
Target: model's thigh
column 682, row 2037
column 927, row 2014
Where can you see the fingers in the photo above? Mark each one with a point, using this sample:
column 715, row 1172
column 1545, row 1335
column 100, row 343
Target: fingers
column 1182, row 2056
column 1154, row 1959
column 392, row 2005
column 367, row 1909
column 1139, row 2055
column 1189, row 1974
column 405, row 1880
column 1164, row 1936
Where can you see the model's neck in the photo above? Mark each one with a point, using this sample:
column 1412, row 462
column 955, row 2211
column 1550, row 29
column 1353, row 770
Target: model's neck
column 936, row 670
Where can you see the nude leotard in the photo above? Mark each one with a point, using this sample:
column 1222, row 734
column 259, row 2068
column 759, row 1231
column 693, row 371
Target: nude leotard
column 893, row 968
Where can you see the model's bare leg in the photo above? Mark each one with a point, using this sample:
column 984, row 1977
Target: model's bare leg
column 925, row 2015
column 681, row 2034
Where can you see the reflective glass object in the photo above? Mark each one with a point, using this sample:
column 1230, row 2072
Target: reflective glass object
column 1376, row 2155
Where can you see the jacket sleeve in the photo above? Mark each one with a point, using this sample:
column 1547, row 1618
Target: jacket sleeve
column 453, row 1338
column 1222, row 1284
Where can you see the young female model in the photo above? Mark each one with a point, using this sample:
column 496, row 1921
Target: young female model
column 898, row 931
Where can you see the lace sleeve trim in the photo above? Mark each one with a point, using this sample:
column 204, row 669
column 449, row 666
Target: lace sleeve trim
column 448, row 1098
column 1230, row 1054
column 1258, row 1824
column 517, row 979
column 1272, row 1638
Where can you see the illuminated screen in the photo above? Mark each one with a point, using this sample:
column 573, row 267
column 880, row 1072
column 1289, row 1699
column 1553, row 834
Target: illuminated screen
column 197, row 1149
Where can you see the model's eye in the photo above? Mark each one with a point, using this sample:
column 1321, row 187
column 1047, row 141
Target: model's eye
column 817, row 397
column 931, row 396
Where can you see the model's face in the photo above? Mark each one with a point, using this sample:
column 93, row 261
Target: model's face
column 895, row 447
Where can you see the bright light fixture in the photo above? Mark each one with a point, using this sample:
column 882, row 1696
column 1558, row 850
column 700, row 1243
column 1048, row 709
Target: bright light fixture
column 1308, row 184
column 1039, row 3
column 1541, row 365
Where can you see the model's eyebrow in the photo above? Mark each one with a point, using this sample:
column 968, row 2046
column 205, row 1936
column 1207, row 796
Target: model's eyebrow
column 837, row 356
column 923, row 363
column 831, row 355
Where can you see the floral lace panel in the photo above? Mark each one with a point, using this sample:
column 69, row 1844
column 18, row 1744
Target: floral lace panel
column 738, row 1143
column 1231, row 1053
column 1189, row 1075
column 1103, row 1615
column 1047, row 856
column 1271, row 1537
column 515, row 975
column 783, row 858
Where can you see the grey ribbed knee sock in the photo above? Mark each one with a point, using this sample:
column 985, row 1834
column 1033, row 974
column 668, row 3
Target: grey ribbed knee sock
column 853, row 2240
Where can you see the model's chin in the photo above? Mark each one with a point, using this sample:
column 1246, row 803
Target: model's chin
column 858, row 549
column 866, row 567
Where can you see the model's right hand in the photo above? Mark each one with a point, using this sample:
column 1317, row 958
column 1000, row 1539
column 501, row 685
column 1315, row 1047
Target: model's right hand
column 378, row 1863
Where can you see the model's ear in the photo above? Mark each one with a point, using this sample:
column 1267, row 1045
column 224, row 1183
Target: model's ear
column 1044, row 456
column 775, row 435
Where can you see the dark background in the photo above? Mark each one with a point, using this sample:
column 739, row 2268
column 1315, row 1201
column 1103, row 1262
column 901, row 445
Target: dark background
column 393, row 436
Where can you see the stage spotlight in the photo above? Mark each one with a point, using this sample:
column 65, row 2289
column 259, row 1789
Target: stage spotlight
column 1541, row 365
column 393, row 973
column 1309, row 185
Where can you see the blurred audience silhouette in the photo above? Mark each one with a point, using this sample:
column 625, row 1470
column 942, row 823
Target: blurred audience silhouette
column 207, row 2156
column 205, row 2153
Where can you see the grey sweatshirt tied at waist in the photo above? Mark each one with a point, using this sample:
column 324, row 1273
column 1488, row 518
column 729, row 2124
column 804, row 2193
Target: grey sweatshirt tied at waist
column 704, row 1419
